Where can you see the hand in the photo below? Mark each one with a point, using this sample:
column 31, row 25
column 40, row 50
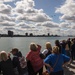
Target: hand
column 51, row 69
column 9, row 54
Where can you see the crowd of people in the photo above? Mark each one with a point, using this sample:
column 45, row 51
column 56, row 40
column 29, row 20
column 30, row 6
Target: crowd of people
column 53, row 58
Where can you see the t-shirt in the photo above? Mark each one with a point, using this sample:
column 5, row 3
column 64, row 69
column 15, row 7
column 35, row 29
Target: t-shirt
column 52, row 58
column 34, row 58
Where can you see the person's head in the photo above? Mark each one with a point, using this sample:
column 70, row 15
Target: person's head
column 63, row 41
column 48, row 45
column 68, row 39
column 14, row 51
column 55, row 50
column 3, row 56
column 33, row 47
column 57, row 42
column 73, row 40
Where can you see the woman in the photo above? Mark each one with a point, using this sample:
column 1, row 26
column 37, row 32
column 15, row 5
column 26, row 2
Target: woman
column 55, row 61
column 48, row 49
column 57, row 43
column 35, row 60
column 6, row 64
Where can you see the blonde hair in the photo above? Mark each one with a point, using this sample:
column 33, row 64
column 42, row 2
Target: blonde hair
column 3, row 56
column 55, row 50
column 33, row 47
column 48, row 45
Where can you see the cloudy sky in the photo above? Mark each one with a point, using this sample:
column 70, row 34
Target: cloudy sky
column 38, row 16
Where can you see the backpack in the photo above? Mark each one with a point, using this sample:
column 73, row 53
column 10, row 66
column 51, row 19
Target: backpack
column 23, row 63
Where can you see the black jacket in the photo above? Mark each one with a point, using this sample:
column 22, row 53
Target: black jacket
column 7, row 67
column 16, row 63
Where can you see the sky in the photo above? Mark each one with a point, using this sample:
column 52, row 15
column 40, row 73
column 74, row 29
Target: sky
column 37, row 16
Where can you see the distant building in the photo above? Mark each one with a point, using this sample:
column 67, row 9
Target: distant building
column 31, row 34
column 26, row 34
column 48, row 34
column 10, row 33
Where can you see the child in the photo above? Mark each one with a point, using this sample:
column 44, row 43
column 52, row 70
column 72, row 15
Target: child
column 19, row 61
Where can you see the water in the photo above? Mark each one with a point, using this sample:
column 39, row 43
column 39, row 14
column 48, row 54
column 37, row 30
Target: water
column 22, row 43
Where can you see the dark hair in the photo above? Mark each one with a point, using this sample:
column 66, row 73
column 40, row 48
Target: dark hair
column 14, row 50
column 19, row 54
column 57, row 42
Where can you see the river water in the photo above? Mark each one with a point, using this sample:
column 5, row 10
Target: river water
column 22, row 43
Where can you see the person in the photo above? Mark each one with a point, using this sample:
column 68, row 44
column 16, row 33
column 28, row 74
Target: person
column 63, row 44
column 57, row 43
column 55, row 61
column 48, row 49
column 73, row 50
column 35, row 60
column 19, row 62
column 68, row 48
column 6, row 65
column 69, row 42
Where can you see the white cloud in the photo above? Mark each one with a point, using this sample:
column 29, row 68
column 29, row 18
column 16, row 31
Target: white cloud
column 23, row 17
column 39, row 17
column 64, row 25
column 73, row 26
column 24, row 25
column 67, row 10
column 69, row 18
column 25, row 11
column 7, row 23
column 25, row 4
column 4, row 17
column 9, row 28
column 5, row 9
column 50, row 24
column 6, row 1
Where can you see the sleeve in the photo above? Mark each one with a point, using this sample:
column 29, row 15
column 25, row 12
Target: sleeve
column 66, row 58
column 28, row 56
column 15, row 61
column 39, row 47
column 47, row 59
column 45, row 52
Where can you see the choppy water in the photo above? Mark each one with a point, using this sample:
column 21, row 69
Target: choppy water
column 22, row 43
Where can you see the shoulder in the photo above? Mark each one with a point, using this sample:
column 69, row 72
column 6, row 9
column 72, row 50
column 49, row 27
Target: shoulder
column 15, row 58
column 45, row 51
column 9, row 59
column 51, row 56
column 29, row 55
column 65, row 56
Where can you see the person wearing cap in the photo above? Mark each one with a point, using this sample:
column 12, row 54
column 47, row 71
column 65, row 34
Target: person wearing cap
column 16, row 52
column 16, row 61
